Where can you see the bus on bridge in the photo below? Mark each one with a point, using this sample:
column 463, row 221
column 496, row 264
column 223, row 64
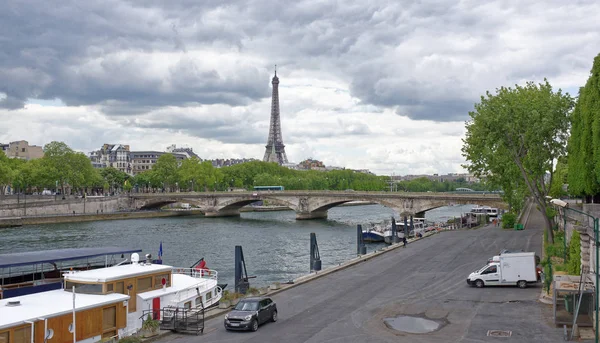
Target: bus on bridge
column 268, row 188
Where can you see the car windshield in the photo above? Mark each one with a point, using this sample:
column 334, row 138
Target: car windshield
column 246, row 306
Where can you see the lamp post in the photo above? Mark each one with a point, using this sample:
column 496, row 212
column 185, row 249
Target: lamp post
column 55, row 189
column 565, row 206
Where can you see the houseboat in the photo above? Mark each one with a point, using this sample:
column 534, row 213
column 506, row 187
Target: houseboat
column 492, row 212
column 111, row 302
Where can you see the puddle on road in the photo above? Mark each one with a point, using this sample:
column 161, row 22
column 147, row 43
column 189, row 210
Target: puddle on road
column 412, row 324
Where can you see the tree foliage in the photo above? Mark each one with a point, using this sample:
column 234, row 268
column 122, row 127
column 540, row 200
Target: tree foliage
column 517, row 134
column 584, row 143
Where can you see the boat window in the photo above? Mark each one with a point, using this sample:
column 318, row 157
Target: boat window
column 109, row 318
column 144, row 284
column 84, row 288
column 22, row 335
column 110, row 287
column 119, row 287
column 4, row 336
column 198, row 301
column 158, row 280
column 188, row 305
column 208, row 295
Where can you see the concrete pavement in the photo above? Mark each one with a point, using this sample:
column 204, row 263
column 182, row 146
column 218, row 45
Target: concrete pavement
column 428, row 278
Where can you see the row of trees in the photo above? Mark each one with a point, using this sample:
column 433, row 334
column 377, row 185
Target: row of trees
column 61, row 167
column 584, row 144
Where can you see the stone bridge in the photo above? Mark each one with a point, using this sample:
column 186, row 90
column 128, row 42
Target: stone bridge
column 310, row 204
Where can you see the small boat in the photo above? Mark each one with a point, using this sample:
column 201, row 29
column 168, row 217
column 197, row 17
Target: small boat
column 372, row 236
column 387, row 236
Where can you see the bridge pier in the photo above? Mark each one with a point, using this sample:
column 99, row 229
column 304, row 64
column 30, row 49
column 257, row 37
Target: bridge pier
column 223, row 213
column 311, row 215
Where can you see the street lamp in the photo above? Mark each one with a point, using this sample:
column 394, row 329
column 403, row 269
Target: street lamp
column 565, row 206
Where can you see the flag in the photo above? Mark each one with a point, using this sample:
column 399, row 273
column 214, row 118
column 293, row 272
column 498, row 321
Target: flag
column 160, row 252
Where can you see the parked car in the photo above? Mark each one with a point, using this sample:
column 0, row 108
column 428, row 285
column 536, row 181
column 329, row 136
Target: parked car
column 249, row 313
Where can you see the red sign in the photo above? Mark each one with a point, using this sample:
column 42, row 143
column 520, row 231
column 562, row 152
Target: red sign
column 163, row 281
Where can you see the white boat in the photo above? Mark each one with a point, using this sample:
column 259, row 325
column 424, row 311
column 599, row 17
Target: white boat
column 418, row 227
column 111, row 302
column 492, row 212
column 372, row 236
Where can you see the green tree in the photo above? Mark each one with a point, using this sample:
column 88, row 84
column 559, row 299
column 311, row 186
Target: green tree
column 7, row 173
column 584, row 143
column 165, row 170
column 559, row 179
column 56, row 164
column 519, row 131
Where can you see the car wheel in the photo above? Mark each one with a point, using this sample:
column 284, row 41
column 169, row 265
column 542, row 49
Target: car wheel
column 254, row 325
column 522, row 284
column 274, row 316
column 479, row 283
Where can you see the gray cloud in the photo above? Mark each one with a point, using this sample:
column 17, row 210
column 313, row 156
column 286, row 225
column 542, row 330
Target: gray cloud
column 428, row 60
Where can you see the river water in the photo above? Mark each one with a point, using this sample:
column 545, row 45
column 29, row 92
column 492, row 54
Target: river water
column 275, row 245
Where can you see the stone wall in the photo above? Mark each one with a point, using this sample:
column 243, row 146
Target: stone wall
column 68, row 206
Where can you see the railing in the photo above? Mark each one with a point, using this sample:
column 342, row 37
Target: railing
column 197, row 273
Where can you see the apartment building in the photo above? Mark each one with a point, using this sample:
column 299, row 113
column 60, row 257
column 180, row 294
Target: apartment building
column 22, row 150
column 142, row 161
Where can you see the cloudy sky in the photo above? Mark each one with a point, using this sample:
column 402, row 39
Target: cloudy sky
column 382, row 85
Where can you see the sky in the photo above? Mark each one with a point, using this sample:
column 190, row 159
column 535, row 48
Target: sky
column 379, row 85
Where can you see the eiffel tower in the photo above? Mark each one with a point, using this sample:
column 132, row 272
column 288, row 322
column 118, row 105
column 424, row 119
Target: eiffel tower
column 275, row 150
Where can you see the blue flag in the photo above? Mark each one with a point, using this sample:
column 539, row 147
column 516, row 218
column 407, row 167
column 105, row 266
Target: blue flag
column 160, row 252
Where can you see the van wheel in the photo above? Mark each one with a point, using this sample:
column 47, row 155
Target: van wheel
column 522, row 284
column 479, row 283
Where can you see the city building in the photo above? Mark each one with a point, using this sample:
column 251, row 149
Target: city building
column 142, row 161
column 112, row 155
column 310, row 164
column 22, row 150
column 189, row 152
column 221, row 162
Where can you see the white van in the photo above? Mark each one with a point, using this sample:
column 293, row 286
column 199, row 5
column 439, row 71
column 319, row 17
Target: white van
column 515, row 269
column 185, row 206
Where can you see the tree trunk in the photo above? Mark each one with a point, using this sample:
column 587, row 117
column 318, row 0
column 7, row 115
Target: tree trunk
column 548, row 221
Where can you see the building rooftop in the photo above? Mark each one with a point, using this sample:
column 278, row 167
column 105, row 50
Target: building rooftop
column 49, row 304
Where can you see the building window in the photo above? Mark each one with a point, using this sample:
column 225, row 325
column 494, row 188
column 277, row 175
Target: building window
column 110, row 287
column 22, row 149
column 4, row 336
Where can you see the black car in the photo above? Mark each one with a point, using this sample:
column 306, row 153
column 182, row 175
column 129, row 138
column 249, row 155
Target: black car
column 249, row 313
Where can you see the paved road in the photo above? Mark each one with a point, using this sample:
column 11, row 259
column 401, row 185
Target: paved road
column 428, row 278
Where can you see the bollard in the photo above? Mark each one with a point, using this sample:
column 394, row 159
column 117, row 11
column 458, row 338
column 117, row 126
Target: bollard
column 241, row 276
column 395, row 239
column 361, row 248
column 315, row 258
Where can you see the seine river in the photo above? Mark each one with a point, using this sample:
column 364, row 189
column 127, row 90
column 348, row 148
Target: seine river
column 276, row 246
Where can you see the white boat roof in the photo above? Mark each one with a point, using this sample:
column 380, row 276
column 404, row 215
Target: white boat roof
column 181, row 282
column 116, row 272
column 50, row 304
